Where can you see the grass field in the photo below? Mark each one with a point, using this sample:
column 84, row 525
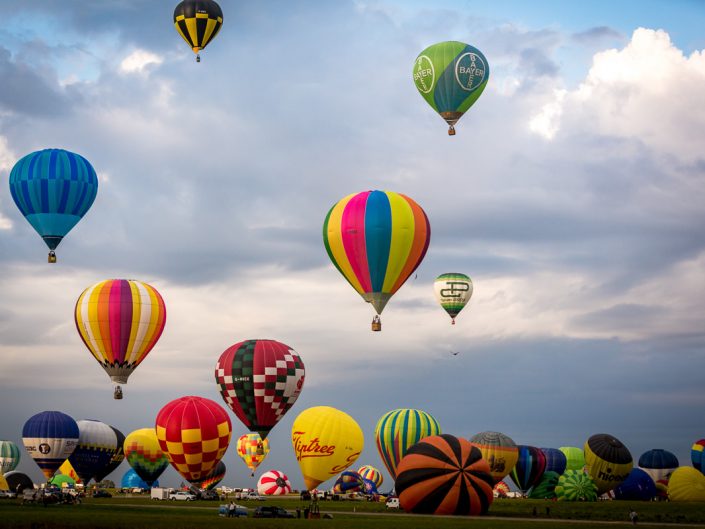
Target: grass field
column 141, row 513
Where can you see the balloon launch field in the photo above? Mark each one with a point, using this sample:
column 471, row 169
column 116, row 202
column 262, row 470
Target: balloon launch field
column 138, row 513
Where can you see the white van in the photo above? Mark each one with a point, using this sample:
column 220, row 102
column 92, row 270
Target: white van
column 392, row 503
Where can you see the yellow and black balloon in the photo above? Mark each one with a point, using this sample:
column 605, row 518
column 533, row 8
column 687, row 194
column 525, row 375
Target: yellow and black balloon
column 198, row 22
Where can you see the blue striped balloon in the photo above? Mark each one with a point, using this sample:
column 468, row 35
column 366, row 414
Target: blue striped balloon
column 53, row 189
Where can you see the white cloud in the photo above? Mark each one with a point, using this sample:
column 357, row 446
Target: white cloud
column 547, row 122
column 139, row 60
column 7, row 160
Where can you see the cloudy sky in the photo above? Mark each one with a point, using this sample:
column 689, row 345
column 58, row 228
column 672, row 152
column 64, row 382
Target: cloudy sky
column 572, row 195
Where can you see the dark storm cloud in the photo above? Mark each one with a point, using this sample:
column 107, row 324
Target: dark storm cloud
column 625, row 316
column 597, row 34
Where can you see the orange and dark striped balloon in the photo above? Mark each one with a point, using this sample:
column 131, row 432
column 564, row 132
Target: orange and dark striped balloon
column 443, row 474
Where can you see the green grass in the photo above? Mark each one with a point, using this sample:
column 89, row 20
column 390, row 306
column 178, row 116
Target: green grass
column 142, row 513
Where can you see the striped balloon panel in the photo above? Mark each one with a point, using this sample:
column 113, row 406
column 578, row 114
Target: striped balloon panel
column 529, row 467
column 444, row 475
column 50, row 437
column 260, row 380
column 144, row 455
column 399, row 429
column 697, row 455
column 9, row 456
column 607, row 461
column 97, row 444
column 252, row 449
column 273, row 483
column 53, row 189
column 575, row 485
column 499, row 450
column 116, row 460
column 451, row 75
column 214, row 477
column 686, row 484
column 376, row 239
column 193, row 433
column 348, row 481
column 372, row 474
column 555, row 460
column 198, row 22
column 120, row 321
column 545, row 489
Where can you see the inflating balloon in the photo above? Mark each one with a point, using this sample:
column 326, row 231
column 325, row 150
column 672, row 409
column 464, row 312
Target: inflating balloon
column 18, row 481
column 658, row 463
column 260, row 381
column 500, row 452
column 398, row 430
column 214, row 477
column 50, row 437
column 252, row 449
column 273, row 483
column 444, row 474
column 326, row 441
column 131, row 480
column 637, row 487
column 686, row 484
column 555, row 460
column 120, row 321
column 575, row 485
column 348, row 481
column 97, row 444
column 453, row 291
column 371, row 473
column 194, row 433
column 529, row 467
column 501, row 490
column 53, row 189
column 697, row 455
column 144, row 455
column 376, row 239
column 450, row 76
column 9, row 456
column 62, row 481
column 575, row 457
column 116, row 460
column 545, row 489
column 67, row 470
column 198, row 22
column 607, row 461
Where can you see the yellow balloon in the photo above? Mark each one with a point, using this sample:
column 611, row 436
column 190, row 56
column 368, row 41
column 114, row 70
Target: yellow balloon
column 326, row 441
column 3, row 484
column 607, row 461
column 67, row 470
column 686, row 484
column 252, row 449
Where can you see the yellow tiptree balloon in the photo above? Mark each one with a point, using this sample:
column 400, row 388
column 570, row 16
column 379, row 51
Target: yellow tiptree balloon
column 326, row 441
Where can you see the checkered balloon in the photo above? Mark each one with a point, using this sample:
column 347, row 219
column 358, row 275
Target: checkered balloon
column 260, row 380
column 194, row 433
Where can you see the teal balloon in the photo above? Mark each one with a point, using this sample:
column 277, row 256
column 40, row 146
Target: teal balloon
column 53, row 189
column 451, row 76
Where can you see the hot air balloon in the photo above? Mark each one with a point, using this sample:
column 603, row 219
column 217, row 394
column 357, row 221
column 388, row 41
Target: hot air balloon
column 9, row 456
column 555, row 460
column 273, row 483
column 500, row 490
column 499, row 450
column 260, row 380
column 638, row 486
column 399, row 429
column 575, row 457
column 453, row 291
column 132, row 480
column 97, row 444
column 193, row 433
column 67, row 469
column 686, row 484
column 658, row 463
column 326, row 441
column 3, row 483
column 348, row 481
column 198, row 22
column 252, row 449
column 120, row 321
column 529, row 467
column 117, row 459
column 607, row 461
column 376, row 239
column 450, row 76
column 371, row 473
column 62, row 481
column 697, row 455
column 443, row 474
column 545, row 489
column 369, row 487
column 18, row 481
column 53, row 189
column 575, row 485
column 144, row 455
column 50, row 437
column 214, row 477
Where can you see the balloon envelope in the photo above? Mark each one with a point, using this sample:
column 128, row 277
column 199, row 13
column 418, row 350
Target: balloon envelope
column 50, row 437
column 198, row 22
column 53, row 189
column 97, row 444
column 575, row 485
column 697, row 455
column 529, row 467
column 326, row 441
column 555, row 460
column 120, row 321
column 144, row 455
column 444, row 474
column 18, row 481
column 376, row 239
column 194, row 433
column 638, row 486
column 273, row 483
column 607, row 460
column 658, row 463
column 686, row 484
column 575, row 457
column 62, row 480
column 545, row 489
column 214, row 477
column 398, row 430
column 453, row 291
column 252, row 449
column 348, row 481
column 67, row 470
column 131, row 480
column 499, row 450
column 9, row 456
column 371, row 473
column 451, row 76
column 116, row 460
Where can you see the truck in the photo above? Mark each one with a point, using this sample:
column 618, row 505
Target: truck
column 159, row 493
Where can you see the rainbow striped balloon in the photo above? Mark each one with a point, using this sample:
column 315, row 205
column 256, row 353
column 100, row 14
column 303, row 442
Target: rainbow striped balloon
column 120, row 321
column 376, row 239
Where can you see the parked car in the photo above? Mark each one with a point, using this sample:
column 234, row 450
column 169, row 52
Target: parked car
column 100, row 493
column 253, row 496
column 181, row 495
column 208, row 495
column 270, row 511
column 392, row 503
column 240, row 511
column 7, row 494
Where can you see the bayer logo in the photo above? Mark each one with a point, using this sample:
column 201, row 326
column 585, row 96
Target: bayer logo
column 470, row 71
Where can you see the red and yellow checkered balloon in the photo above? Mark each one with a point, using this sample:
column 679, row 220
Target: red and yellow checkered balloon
column 194, row 433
